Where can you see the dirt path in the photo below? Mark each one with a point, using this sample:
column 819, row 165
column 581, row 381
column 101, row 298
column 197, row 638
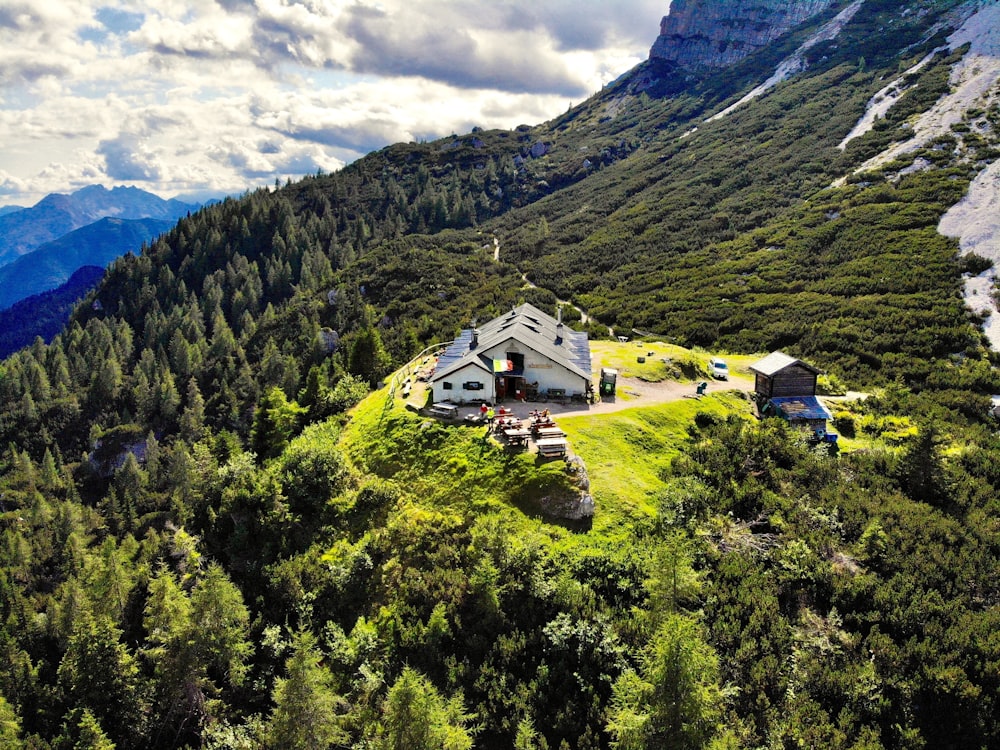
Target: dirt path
column 633, row 392
column 584, row 317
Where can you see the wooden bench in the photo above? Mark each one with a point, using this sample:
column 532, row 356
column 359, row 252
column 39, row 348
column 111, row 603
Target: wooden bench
column 549, row 432
column 517, row 436
column 556, row 394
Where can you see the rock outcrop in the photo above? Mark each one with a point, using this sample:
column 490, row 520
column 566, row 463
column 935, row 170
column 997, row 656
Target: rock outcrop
column 717, row 33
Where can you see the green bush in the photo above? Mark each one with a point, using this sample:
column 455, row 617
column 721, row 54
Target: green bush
column 843, row 422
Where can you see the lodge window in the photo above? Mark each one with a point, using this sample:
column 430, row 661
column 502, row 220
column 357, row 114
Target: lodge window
column 473, row 385
column 446, row 385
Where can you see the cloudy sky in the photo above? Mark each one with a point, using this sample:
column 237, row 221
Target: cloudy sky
column 183, row 97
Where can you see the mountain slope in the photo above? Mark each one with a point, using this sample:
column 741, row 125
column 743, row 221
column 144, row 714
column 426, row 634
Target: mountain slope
column 667, row 226
column 53, row 263
column 58, row 214
column 697, row 35
column 644, row 212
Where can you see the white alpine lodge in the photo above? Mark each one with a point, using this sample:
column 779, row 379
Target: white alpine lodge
column 523, row 355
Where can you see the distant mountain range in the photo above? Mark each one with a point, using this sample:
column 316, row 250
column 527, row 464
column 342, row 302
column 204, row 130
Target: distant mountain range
column 54, row 262
column 41, row 246
column 44, row 314
column 56, row 215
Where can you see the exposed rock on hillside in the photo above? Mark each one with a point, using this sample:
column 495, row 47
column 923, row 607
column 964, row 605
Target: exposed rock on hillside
column 701, row 33
column 974, row 81
column 976, row 222
column 796, row 62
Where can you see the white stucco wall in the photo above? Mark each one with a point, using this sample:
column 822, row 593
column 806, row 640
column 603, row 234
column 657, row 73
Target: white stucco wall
column 459, row 395
column 549, row 376
column 538, row 368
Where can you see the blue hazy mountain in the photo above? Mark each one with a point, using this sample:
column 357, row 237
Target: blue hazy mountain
column 54, row 262
column 24, row 230
column 44, row 314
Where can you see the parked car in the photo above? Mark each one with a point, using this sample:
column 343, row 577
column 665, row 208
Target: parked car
column 718, row 368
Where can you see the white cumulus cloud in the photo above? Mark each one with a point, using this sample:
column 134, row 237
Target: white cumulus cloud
column 177, row 96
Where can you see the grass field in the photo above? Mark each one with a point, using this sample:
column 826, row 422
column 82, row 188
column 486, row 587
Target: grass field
column 628, row 452
column 662, row 361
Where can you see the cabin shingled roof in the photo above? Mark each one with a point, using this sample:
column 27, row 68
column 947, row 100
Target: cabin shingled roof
column 776, row 362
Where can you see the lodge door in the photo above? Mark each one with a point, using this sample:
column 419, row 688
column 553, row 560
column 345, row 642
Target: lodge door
column 510, row 386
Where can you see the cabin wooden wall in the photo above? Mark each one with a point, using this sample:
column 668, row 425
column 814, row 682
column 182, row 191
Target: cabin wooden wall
column 794, row 380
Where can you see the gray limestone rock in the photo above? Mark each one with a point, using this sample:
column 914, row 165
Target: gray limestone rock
column 718, row 33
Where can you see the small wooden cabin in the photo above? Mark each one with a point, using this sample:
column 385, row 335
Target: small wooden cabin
column 786, row 387
column 781, row 376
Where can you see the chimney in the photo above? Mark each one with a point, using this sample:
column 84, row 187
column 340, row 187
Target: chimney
column 559, row 326
column 475, row 338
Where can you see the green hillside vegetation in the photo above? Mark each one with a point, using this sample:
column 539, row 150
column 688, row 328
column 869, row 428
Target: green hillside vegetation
column 222, row 529
column 396, row 543
column 714, row 246
column 628, row 454
column 447, row 465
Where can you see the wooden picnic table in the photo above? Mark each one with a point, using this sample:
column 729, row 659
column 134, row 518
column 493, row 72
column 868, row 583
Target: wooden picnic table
column 549, row 432
column 443, row 409
column 517, row 435
column 553, row 446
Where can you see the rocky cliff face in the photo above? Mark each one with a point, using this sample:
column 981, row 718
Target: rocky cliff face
column 717, row 33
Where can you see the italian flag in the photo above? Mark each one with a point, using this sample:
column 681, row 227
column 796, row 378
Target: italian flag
column 502, row 365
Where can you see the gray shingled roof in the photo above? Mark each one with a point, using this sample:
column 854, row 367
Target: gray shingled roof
column 529, row 326
column 776, row 362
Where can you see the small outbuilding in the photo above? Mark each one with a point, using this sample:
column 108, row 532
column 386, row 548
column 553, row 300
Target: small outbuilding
column 800, row 411
column 778, row 376
column 786, row 387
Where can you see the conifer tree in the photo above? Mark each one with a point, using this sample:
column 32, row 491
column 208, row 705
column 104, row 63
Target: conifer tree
column 99, row 674
column 10, row 726
column 275, row 421
column 368, row 358
column 675, row 702
column 306, row 706
column 82, row 731
column 921, row 467
column 417, row 717
column 192, row 422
